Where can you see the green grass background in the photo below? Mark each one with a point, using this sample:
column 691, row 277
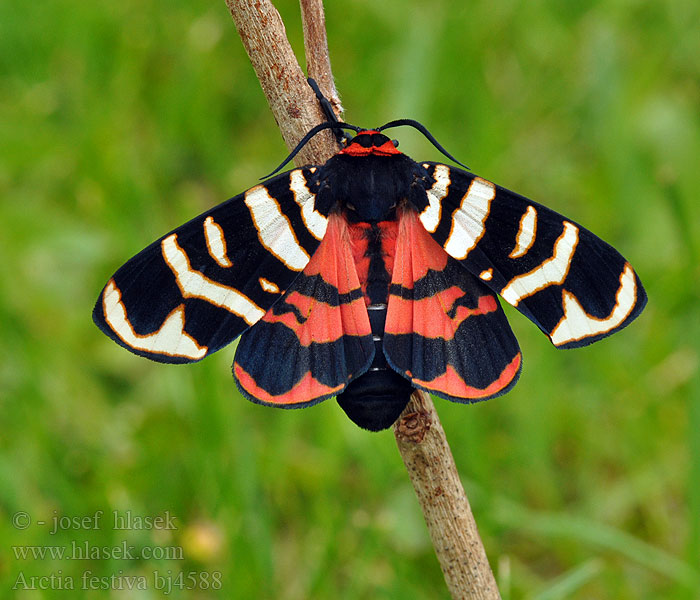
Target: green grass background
column 121, row 120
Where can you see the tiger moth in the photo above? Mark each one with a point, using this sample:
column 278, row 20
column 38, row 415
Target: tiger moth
column 365, row 278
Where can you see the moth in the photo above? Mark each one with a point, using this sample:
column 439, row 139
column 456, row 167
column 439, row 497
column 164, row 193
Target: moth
column 367, row 277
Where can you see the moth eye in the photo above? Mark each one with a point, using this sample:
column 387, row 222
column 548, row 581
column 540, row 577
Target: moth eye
column 396, row 143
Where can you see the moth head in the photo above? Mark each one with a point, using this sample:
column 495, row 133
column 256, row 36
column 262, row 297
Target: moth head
column 370, row 142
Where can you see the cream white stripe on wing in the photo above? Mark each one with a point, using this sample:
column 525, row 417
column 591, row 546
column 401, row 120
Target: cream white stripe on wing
column 469, row 220
column 193, row 284
column 576, row 324
column 552, row 271
column 315, row 222
column 526, row 233
column 170, row 339
column 274, row 229
column 430, row 217
column 216, row 243
column 268, row 286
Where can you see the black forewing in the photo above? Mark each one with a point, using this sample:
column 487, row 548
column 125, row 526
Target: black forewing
column 574, row 286
column 200, row 286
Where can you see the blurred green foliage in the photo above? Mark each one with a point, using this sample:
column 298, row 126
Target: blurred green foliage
column 119, row 121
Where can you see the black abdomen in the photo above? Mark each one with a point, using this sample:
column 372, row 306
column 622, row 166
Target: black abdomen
column 376, row 399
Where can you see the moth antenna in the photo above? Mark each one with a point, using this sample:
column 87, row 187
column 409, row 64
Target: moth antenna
column 420, row 127
column 312, row 132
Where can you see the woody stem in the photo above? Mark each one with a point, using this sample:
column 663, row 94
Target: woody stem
column 419, row 434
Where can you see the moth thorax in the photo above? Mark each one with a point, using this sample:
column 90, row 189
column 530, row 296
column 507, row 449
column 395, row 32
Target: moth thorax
column 370, row 187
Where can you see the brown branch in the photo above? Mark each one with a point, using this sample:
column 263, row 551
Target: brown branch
column 428, row 459
column 419, row 434
column 291, row 100
column 318, row 62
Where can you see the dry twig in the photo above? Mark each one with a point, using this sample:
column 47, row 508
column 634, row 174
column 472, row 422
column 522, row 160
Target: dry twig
column 291, row 100
column 318, row 61
column 447, row 513
column 419, row 434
